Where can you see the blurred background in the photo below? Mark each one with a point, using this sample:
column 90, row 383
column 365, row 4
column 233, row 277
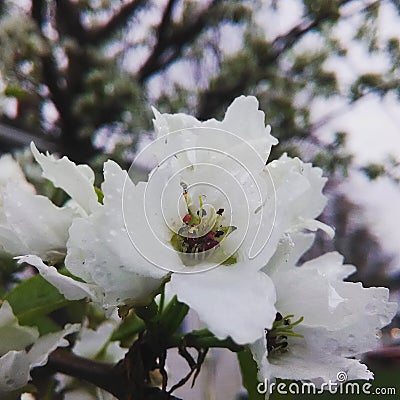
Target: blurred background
column 78, row 77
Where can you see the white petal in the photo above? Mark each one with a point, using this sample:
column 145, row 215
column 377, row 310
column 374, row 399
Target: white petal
column 14, row 371
column 241, row 139
column 68, row 287
column 46, row 344
column 244, row 119
column 38, row 224
column 305, row 360
column 294, row 196
column 14, row 336
column 230, row 301
column 10, row 171
column 299, row 363
column 91, row 342
column 75, row 180
column 10, row 243
column 289, row 250
column 109, row 259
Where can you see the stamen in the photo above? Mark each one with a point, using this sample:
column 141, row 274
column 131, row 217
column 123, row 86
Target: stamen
column 282, row 328
column 202, row 231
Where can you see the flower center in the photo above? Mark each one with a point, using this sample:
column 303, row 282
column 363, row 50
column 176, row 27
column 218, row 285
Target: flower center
column 201, row 232
column 282, row 328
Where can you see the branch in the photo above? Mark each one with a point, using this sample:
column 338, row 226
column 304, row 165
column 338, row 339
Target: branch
column 105, row 376
column 286, row 41
column 212, row 98
column 100, row 374
column 169, row 47
column 38, row 11
column 49, row 69
column 118, row 20
column 68, row 18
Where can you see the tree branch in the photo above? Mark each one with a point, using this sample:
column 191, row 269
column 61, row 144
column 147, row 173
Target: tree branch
column 100, row 374
column 117, row 21
column 68, row 18
column 49, row 70
column 105, row 376
column 211, row 98
column 169, row 47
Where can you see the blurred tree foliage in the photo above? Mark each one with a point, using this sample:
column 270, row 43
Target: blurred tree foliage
column 82, row 74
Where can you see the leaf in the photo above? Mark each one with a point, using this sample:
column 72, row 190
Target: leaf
column 248, row 369
column 34, row 298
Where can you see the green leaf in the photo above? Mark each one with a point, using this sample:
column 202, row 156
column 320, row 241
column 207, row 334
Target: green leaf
column 248, row 369
column 34, row 298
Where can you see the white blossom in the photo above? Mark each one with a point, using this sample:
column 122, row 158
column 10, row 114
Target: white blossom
column 224, row 164
column 341, row 319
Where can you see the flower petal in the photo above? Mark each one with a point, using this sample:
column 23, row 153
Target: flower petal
column 301, row 363
column 93, row 342
column 14, row 336
column 294, row 198
column 230, row 301
column 76, row 180
column 37, row 223
column 46, row 344
column 68, row 287
column 244, row 119
column 14, row 371
column 109, row 259
column 10, row 171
